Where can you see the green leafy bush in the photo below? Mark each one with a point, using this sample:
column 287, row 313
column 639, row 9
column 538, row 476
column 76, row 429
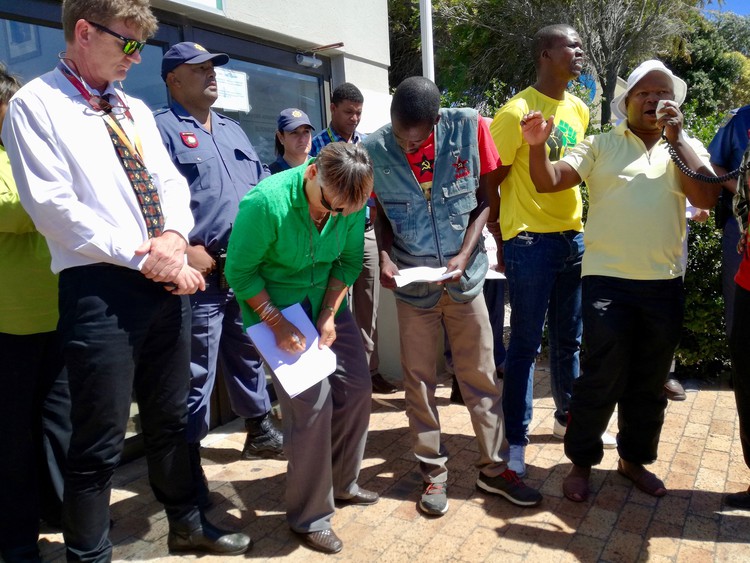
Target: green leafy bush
column 703, row 348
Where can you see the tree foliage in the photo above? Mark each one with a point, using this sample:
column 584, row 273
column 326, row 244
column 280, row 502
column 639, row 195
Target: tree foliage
column 704, row 61
column 735, row 30
column 484, row 46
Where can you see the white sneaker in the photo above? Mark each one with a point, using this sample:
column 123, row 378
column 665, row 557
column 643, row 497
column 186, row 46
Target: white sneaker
column 558, row 430
column 516, row 460
column 609, row 442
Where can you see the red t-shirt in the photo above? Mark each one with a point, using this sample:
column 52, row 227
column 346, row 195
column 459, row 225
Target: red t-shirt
column 423, row 160
column 742, row 278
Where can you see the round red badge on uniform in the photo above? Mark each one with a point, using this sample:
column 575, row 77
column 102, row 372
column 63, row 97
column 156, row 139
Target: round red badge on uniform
column 190, row 140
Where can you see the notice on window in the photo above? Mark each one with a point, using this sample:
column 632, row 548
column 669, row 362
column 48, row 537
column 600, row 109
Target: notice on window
column 233, row 94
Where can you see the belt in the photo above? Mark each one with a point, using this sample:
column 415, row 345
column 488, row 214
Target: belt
column 555, row 233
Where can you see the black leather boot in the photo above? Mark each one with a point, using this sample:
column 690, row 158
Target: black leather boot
column 264, row 441
column 195, row 533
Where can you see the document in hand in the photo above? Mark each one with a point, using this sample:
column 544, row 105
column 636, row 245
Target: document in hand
column 423, row 274
column 295, row 372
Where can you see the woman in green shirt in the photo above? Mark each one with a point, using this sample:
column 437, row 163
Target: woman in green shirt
column 298, row 238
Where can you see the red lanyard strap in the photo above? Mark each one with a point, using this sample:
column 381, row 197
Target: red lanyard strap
column 101, row 105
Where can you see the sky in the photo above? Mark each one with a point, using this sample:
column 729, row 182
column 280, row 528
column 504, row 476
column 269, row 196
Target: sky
column 741, row 7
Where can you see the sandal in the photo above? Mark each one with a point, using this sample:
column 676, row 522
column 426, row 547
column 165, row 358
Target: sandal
column 642, row 478
column 576, row 485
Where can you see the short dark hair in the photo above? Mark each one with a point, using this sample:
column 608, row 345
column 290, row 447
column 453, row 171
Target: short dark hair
column 9, row 84
column 416, row 101
column 347, row 91
column 546, row 37
column 347, row 169
column 104, row 12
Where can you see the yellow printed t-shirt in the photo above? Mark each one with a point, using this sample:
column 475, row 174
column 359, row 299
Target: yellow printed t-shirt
column 522, row 208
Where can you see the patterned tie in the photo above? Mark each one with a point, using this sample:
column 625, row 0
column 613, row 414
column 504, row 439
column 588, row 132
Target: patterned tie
column 143, row 185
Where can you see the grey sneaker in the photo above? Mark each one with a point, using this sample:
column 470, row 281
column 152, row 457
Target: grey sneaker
column 434, row 499
column 508, row 485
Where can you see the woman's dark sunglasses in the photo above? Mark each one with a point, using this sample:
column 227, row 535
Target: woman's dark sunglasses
column 130, row 45
column 327, row 205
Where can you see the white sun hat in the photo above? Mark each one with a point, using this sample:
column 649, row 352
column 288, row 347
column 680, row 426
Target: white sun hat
column 678, row 86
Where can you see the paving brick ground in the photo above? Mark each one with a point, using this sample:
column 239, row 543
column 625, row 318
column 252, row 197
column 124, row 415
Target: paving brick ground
column 699, row 458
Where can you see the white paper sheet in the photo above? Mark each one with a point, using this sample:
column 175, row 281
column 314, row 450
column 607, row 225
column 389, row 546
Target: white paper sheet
column 423, row 274
column 295, row 372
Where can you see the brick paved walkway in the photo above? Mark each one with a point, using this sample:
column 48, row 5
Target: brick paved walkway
column 699, row 459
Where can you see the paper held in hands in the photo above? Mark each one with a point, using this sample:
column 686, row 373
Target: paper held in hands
column 423, row 274
column 295, row 372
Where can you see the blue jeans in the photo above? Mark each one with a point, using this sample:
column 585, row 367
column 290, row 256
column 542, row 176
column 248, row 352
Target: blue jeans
column 544, row 279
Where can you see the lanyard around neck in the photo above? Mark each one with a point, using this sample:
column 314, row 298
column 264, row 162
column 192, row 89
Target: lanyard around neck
column 99, row 104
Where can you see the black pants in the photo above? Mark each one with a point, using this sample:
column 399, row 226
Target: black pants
column 122, row 333
column 631, row 329
column 740, row 352
column 34, row 418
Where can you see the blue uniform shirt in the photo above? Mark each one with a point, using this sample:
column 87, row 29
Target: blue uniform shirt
column 726, row 150
column 220, row 166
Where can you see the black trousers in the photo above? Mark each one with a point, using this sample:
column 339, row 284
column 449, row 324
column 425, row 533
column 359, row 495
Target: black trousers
column 122, row 333
column 631, row 329
column 34, row 421
column 740, row 353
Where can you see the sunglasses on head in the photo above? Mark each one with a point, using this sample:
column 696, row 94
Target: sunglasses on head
column 130, row 45
column 327, row 205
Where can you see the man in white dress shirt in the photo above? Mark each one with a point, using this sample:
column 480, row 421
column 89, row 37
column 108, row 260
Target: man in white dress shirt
column 96, row 179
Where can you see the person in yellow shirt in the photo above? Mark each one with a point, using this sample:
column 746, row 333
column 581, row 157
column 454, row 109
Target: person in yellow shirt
column 632, row 272
column 542, row 239
column 35, row 402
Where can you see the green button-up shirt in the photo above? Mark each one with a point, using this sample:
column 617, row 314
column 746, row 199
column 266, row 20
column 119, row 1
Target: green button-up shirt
column 275, row 246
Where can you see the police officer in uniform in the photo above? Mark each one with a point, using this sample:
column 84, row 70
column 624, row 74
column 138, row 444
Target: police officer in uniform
column 221, row 166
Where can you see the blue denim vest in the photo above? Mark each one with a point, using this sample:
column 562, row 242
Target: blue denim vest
column 429, row 233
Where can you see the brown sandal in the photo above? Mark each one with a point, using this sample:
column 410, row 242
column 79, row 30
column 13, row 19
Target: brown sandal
column 576, row 485
column 642, row 478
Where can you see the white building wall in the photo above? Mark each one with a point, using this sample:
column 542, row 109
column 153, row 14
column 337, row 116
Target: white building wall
column 305, row 24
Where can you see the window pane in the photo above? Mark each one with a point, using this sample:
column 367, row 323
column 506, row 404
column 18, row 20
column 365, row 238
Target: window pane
column 144, row 80
column 29, row 50
column 271, row 90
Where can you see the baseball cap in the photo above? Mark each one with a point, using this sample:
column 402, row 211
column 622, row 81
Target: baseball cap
column 678, row 86
column 291, row 118
column 191, row 53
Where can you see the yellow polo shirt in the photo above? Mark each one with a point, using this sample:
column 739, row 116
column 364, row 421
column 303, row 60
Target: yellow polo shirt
column 636, row 220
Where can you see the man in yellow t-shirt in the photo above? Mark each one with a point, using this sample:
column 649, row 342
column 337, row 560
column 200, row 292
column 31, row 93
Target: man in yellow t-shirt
column 542, row 239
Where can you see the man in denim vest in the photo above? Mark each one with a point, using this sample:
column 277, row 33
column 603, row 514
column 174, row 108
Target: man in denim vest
column 432, row 170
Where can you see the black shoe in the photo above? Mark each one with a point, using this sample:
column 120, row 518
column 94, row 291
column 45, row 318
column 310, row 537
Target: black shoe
column 207, row 538
column 363, row 497
column 325, row 541
column 674, row 390
column 264, row 441
column 381, row 385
